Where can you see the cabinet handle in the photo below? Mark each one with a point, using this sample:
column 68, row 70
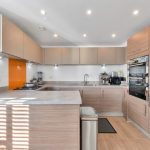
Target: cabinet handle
column 145, row 110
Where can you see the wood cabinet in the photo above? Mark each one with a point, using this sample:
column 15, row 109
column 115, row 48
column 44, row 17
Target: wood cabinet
column 39, row 127
column 91, row 97
column 53, row 56
column 138, row 44
column 138, row 111
column 70, row 56
column 111, row 100
column 12, row 38
column 104, row 100
column 32, row 50
column 88, row 56
column 111, row 55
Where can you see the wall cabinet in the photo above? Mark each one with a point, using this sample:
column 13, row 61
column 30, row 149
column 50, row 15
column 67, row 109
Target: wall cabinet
column 88, row 56
column 32, row 50
column 70, row 56
column 12, row 38
column 111, row 55
column 13, row 41
column 138, row 44
column 53, row 56
column 138, row 111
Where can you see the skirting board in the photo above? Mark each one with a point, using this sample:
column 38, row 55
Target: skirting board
column 138, row 127
column 110, row 114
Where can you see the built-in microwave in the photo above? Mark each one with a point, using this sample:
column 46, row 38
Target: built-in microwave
column 138, row 76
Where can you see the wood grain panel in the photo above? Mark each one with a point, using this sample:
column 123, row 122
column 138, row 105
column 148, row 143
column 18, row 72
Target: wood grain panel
column 12, row 38
column 88, row 56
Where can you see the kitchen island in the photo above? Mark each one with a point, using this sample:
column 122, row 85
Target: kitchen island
column 36, row 120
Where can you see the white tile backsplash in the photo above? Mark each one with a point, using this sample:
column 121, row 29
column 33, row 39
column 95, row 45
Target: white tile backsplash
column 3, row 72
column 76, row 73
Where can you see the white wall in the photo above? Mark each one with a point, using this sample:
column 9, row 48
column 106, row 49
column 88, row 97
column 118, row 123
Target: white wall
column 3, row 72
column 31, row 71
column 76, row 73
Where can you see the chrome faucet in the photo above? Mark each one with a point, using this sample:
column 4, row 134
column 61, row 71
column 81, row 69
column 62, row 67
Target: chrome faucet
column 86, row 76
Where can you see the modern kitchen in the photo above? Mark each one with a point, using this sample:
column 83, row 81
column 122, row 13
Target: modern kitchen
column 74, row 75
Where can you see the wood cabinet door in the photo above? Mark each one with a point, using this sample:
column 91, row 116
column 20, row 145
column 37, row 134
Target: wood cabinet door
column 138, row 43
column 53, row 56
column 111, row 55
column 138, row 111
column 70, row 56
column 91, row 97
column 111, row 100
column 88, row 56
column 32, row 50
column 12, row 38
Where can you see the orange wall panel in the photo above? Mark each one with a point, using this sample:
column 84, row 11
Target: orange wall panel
column 17, row 73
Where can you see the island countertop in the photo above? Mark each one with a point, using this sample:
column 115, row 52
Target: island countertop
column 40, row 97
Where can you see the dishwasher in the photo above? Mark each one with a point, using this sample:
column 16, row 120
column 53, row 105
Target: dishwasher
column 89, row 128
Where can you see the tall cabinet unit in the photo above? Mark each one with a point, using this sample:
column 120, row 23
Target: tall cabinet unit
column 138, row 44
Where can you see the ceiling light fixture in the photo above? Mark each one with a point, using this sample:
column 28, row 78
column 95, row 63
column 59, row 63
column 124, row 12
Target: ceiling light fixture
column 84, row 35
column 113, row 35
column 43, row 12
column 55, row 35
column 135, row 12
column 1, row 57
column 89, row 12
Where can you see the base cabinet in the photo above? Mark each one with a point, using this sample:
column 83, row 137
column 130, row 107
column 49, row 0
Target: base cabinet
column 138, row 111
column 104, row 100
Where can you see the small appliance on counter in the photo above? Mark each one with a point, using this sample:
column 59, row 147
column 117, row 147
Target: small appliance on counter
column 115, row 79
column 104, row 78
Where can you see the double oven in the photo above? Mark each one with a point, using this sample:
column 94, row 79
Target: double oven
column 138, row 77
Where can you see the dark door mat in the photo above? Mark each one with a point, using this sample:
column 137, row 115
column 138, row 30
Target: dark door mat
column 104, row 126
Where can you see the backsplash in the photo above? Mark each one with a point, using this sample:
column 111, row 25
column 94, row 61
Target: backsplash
column 3, row 72
column 76, row 72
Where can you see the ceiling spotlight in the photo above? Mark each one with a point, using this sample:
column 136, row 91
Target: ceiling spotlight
column 135, row 12
column 113, row 35
column 43, row 12
column 84, row 35
column 89, row 12
column 55, row 35
column 1, row 57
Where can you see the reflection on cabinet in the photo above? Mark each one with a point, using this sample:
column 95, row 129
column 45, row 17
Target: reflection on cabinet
column 108, row 100
column 88, row 56
column 111, row 55
column 32, row 51
column 138, row 44
column 12, row 38
column 138, row 111
column 53, row 56
column 70, row 56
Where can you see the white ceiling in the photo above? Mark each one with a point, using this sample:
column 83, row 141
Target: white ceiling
column 68, row 19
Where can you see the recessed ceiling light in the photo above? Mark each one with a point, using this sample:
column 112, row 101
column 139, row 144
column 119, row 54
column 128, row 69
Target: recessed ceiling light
column 55, row 35
column 84, row 35
column 113, row 35
column 43, row 12
column 135, row 12
column 0, row 57
column 89, row 12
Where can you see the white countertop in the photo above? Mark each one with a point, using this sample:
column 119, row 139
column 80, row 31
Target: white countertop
column 39, row 97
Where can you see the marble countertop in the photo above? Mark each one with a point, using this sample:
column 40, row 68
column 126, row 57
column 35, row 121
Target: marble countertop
column 39, row 97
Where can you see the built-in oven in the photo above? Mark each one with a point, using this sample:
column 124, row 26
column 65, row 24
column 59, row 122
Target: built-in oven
column 138, row 75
